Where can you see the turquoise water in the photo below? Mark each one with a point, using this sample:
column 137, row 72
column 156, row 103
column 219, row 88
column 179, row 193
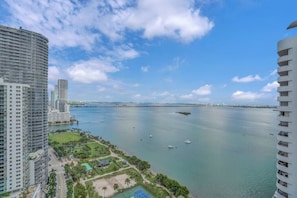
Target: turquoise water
column 130, row 193
column 232, row 154
column 88, row 167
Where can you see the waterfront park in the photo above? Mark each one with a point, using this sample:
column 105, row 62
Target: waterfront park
column 96, row 168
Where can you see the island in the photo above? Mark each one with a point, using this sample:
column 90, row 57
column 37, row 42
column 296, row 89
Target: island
column 94, row 168
column 184, row 112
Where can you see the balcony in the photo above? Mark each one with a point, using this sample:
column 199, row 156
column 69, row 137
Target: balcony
column 283, row 124
column 284, row 68
column 284, row 184
column 282, row 143
column 283, row 173
column 282, row 193
column 282, row 163
column 284, row 88
column 283, row 133
column 282, row 153
column 283, row 79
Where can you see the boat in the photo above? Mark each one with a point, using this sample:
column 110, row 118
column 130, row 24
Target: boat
column 188, row 142
column 151, row 135
column 170, row 147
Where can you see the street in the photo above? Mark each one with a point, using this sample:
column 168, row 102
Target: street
column 54, row 163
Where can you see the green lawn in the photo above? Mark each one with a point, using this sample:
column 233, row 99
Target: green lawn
column 62, row 138
column 97, row 150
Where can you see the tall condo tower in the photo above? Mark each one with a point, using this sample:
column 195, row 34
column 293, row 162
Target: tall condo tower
column 62, row 95
column 287, row 127
column 24, row 63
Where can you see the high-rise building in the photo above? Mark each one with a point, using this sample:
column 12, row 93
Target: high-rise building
column 14, row 173
column 287, row 127
column 62, row 95
column 24, row 62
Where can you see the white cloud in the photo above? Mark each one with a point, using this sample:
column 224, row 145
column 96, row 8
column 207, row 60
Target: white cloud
column 246, row 79
column 93, row 70
column 177, row 19
column 249, row 96
column 270, row 87
column 187, row 96
column 204, row 90
column 136, row 85
column 144, row 68
column 53, row 73
column 64, row 23
column 124, row 52
column 83, row 23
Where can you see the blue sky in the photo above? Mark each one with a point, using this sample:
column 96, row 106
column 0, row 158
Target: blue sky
column 190, row 51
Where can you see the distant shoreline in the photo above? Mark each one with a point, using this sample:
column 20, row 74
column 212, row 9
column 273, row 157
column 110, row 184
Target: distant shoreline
column 119, row 104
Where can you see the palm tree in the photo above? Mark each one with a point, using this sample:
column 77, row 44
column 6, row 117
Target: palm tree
column 116, row 186
column 127, row 181
column 104, row 188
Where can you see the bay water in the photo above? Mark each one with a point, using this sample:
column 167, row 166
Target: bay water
column 232, row 152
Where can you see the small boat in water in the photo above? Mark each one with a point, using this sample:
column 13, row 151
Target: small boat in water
column 170, row 147
column 151, row 136
column 188, row 142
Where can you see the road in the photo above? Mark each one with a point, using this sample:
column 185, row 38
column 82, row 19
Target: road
column 54, row 163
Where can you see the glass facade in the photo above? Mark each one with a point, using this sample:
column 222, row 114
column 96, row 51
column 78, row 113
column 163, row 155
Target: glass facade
column 24, row 60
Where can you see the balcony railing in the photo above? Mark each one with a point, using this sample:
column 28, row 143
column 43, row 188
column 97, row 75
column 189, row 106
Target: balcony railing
column 284, row 134
column 282, row 173
column 285, row 144
column 285, row 124
column 284, row 194
column 285, row 184
column 282, row 153
column 285, row 164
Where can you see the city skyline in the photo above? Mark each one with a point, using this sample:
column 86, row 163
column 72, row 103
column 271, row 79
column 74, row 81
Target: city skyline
column 151, row 51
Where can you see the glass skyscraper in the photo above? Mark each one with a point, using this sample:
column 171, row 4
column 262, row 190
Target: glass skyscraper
column 24, row 60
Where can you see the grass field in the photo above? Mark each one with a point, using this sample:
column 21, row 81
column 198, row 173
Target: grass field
column 62, row 138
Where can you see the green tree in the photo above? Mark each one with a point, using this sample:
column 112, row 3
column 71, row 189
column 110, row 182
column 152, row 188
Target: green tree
column 127, row 181
column 80, row 191
column 115, row 186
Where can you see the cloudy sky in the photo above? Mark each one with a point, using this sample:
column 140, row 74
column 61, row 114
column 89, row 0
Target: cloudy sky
column 191, row 51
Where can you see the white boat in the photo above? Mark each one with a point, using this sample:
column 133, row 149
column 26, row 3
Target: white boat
column 188, row 142
column 170, row 146
column 151, row 135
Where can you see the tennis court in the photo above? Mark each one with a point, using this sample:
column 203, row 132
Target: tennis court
column 135, row 192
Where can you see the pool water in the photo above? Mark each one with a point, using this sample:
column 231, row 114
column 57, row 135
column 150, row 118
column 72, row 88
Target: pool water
column 88, row 167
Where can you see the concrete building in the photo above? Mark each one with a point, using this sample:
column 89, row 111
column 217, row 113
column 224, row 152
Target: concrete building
column 56, row 117
column 24, row 61
column 62, row 95
column 14, row 172
column 287, row 127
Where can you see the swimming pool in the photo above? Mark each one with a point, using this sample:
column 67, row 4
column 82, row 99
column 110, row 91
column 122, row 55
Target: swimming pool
column 88, row 167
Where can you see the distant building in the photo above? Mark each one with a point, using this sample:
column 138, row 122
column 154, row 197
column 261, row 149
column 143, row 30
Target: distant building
column 57, row 117
column 287, row 127
column 59, row 112
column 62, row 95
column 24, row 101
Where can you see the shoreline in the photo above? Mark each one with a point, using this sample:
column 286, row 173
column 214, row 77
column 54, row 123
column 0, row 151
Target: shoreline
column 148, row 176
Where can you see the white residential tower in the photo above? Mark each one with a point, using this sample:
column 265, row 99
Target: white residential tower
column 286, row 173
